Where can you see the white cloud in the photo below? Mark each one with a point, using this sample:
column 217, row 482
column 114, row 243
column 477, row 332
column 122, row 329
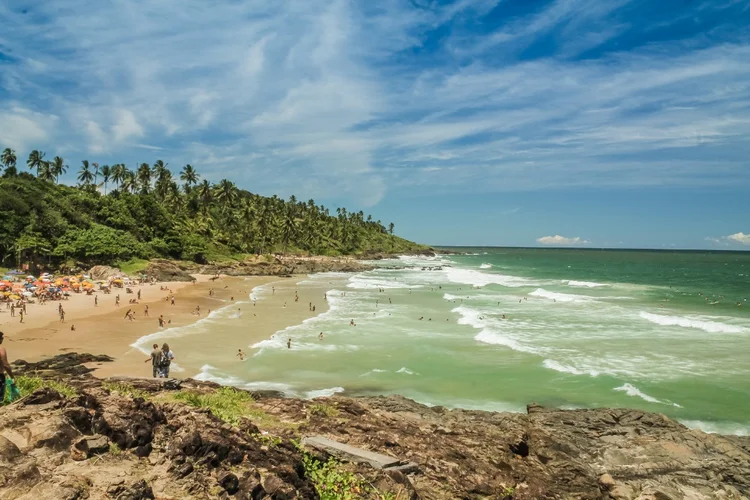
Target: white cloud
column 23, row 129
column 561, row 240
column 322, row 98
column 740, row 238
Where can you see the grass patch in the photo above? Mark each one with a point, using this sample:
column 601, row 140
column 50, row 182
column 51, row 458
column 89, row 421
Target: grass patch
column 114, row 449
column 27, row 384
column 227, row 403
column 334, row 482
column 323, row 410
column 133, row 266
column 125, row 389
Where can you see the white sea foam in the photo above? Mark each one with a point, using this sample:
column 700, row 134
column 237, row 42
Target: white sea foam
column 373, row 371
column 632, row 390
column 477, row 278
column 406, row 371
column 564, row 368
column 560, row 297
column 731, row 428
column 485, row 266
column 269, row 386
column 686, row 322
column 584, row 284
column 364, row 282
column 323, row 393
column 210, row 373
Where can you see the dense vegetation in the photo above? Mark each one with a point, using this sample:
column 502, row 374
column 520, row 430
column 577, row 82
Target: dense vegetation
column 115, row 214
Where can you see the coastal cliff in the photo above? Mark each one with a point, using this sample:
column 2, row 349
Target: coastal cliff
column 76, row 436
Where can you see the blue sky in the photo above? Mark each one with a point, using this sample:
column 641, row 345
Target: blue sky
column 514, row 122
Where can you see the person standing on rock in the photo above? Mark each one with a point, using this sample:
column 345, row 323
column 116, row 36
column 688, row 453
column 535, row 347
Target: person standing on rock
column 166, row 360
column 4, row 368
column 155, row 359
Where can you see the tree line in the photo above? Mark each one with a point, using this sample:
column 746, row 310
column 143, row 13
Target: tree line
column 116, row 213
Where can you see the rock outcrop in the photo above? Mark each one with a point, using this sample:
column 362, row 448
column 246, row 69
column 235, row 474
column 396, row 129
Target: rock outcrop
column 277, row 265
column 167, row 270
column 104, row 272
column 106, row 444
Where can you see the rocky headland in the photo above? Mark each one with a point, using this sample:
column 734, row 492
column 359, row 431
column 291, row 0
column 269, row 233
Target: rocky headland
column 75, row 436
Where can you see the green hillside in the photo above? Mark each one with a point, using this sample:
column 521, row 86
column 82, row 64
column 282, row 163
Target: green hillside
column 116, row 214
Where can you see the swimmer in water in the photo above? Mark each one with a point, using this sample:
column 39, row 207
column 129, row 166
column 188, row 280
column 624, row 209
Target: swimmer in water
column 289, row 344
column 320, row 336
column 240, row 354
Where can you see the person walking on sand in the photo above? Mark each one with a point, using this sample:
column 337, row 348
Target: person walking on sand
column 145, row 310
column 117, row 300
column 5, row 369
column 172, row 299
column 12, row 310
column 62, row 315
column 20, row 313
column 96, row 301
column 161, row 321
column 127, row 314
column 139, row 295
column 155, row 359
column 166, row 361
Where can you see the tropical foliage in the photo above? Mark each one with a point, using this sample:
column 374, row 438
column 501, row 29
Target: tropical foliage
column 115, row 214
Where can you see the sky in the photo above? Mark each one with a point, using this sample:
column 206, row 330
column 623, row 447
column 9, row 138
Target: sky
column 592, row 123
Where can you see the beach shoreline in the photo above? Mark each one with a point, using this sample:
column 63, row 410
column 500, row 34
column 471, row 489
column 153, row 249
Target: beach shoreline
column 104, row 329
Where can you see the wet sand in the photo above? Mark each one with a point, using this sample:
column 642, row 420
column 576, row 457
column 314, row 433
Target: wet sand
column 104, row 329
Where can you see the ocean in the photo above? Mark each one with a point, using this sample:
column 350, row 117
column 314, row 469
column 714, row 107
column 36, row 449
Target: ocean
column 498, row 328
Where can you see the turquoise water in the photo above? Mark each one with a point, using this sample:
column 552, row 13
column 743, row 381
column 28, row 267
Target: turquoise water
column 660, row 331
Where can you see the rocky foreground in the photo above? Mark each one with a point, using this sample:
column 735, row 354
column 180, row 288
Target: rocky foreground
column 137, row 439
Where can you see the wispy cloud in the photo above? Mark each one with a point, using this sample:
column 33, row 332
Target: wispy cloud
column 348, row 100
column 558, row 240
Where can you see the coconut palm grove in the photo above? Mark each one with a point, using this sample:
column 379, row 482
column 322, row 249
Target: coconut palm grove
column 116, row 215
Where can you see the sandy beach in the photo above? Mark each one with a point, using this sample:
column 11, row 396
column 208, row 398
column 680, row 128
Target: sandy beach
column 105, row 330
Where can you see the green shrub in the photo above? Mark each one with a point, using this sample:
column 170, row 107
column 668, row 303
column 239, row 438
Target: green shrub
column 125, row 389
column 227, row 403
column 332, row 481
column 27, row 384
column 323, row 410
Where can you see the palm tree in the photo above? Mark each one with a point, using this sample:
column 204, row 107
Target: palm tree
column 85, row 176
column 58, row 167
column 96, row 173
column 390, row 228
column 189, row 176
column 106, row 173
column 144, row 178
column 8, row 158
column 117, row 172
column 226, row 193
column 35, row 161
column 205, row 194
column 159, row 168
column 163, row 183
column 289, row 230
column 129, row 181
column 46, row 173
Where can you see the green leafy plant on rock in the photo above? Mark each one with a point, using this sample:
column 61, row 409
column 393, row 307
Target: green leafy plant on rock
column 27, row 384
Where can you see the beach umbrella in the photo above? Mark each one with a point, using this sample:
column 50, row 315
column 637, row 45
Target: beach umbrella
column 28, row 294
column 15, row 297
